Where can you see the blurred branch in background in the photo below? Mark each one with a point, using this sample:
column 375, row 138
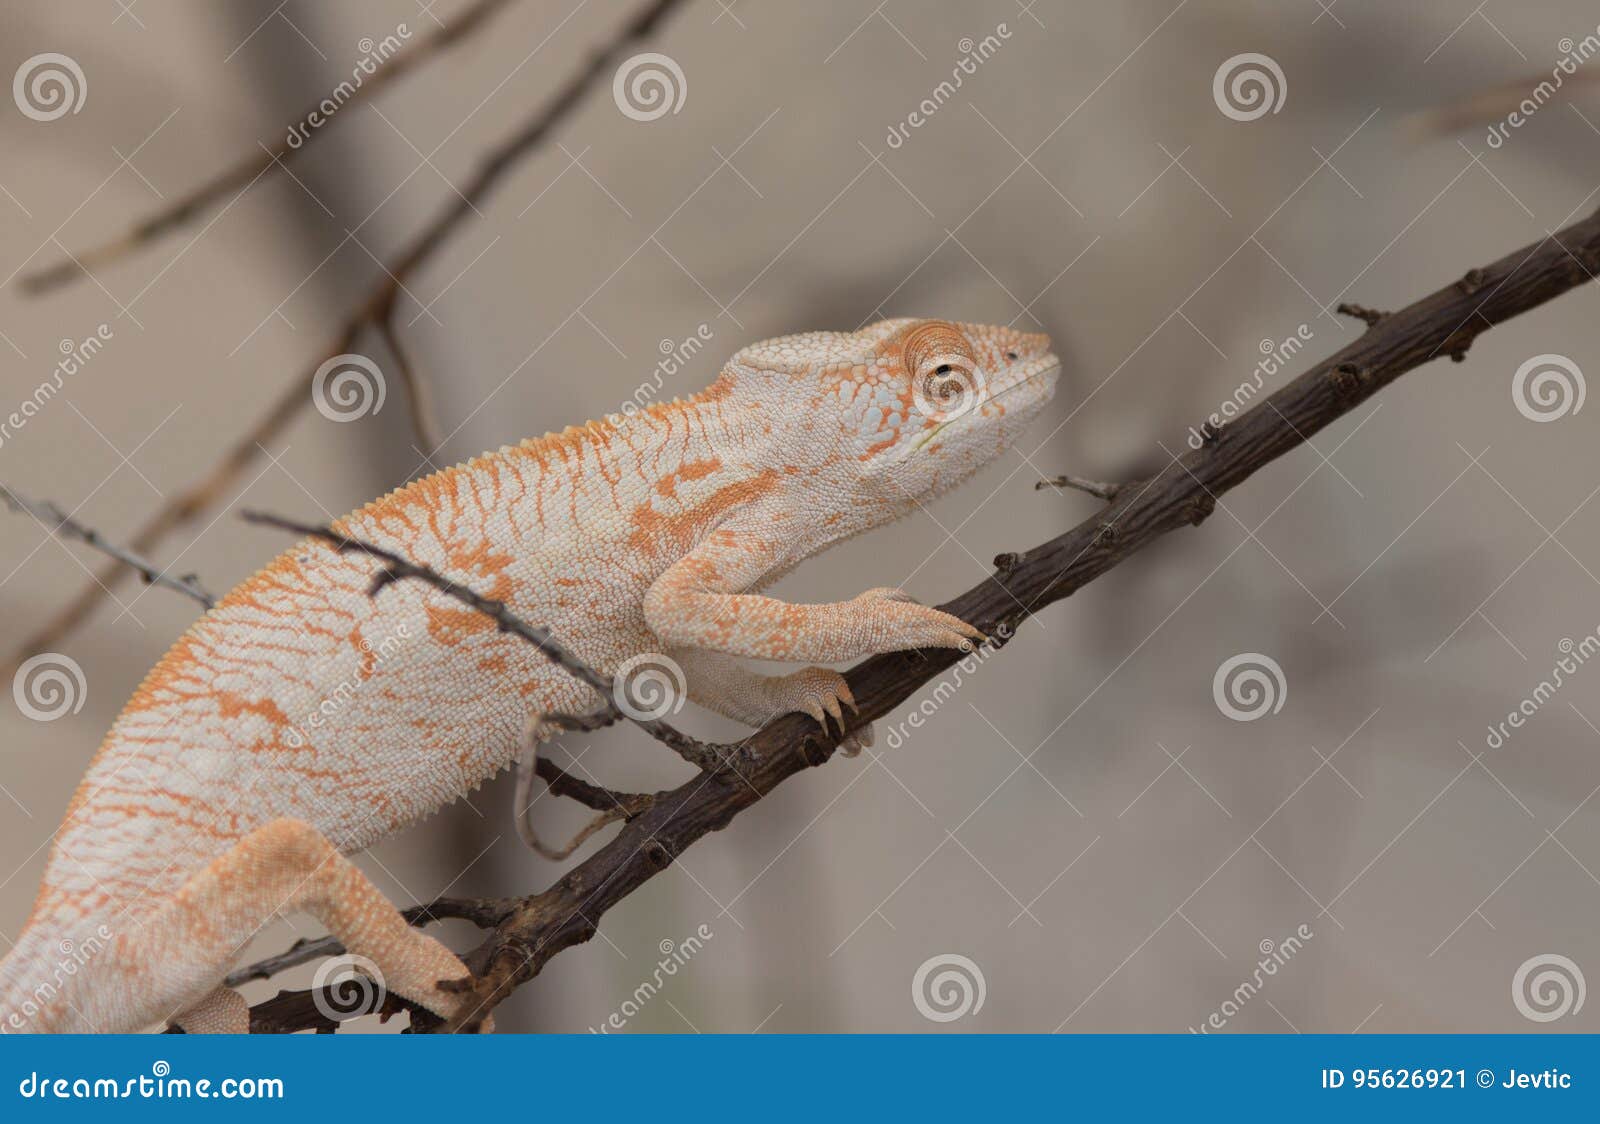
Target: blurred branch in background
column 533, row 929
column 373, row 311
column 244, row 174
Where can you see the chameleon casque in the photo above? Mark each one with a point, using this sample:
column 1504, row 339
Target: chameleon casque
column 300, row 720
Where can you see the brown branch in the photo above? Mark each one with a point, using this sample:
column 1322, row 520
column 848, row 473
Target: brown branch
column 482, row 912
column 374, row 308
column 1368, row 316
column 1182, row 494
column 613, row 807
column 592, row 796
column 247, row 171
column 59, row 523
column 418, row 393
column 1095, row 488
column 396, row 568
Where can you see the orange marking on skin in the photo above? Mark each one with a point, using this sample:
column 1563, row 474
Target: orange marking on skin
column 874, row 450
column 653, row 530
column 367, row 654
column 450, row 625
column 694, row 470
column 231, row 705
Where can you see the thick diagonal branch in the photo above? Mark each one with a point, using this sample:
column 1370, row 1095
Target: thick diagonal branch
column 1183, row 494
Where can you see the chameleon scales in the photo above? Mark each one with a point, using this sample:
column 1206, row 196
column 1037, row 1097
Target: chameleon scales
column 300, row 721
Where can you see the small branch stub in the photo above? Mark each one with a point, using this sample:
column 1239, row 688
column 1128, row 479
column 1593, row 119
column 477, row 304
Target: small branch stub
column 1371, row 316
column 1107, row 492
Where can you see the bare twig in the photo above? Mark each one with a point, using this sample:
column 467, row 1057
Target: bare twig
column 485, row 913
column 1107, row 492
column 562, row 783
column 375, row 308
column 1181, row 494
column 247, row 171
column 396, row 568
column 1368, row 316
column 419, row 397
column 59, row 523
column 612, row 806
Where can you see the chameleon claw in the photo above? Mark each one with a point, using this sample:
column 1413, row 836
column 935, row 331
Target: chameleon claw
column 814, row 709
column 848, row 697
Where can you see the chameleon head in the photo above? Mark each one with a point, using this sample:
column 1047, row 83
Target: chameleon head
column 936, row 400
column 908, row 407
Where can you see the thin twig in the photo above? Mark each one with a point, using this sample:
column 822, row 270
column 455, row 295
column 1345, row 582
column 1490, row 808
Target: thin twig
column 1107, row 492
column 418, row 393
column 485, row 913
column 59, row 523
column 562, row 783
column 1181, row 494
column 248, row 170
column 396, row 567
column 376, row 306
column 1368, row 316
column 611, row 806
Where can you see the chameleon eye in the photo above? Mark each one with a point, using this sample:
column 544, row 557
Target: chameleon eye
column 945, row 378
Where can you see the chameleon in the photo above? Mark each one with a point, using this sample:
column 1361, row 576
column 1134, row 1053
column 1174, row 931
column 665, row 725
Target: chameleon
column 301, row 720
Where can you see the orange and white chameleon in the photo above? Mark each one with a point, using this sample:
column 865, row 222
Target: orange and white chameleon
column 300, row 720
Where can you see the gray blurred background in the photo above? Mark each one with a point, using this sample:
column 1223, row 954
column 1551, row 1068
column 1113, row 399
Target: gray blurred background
column 1080, row 819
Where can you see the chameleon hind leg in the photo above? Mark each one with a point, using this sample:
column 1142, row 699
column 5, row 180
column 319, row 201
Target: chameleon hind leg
column 722, row 683
column 223, row 1011
column 286, row 866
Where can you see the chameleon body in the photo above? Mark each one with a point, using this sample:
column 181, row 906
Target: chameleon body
column 301, row 720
